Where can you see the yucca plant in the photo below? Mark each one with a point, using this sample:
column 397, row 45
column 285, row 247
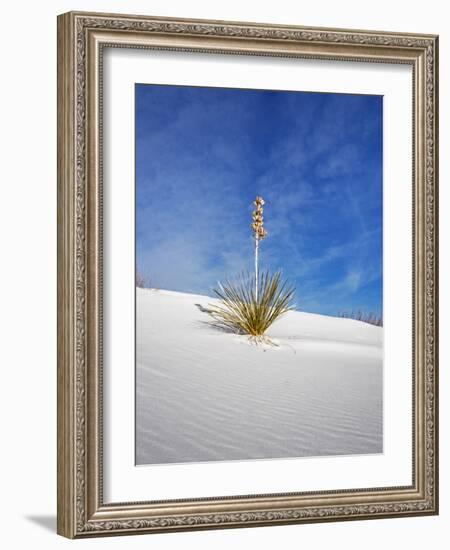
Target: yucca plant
column 240, row 311
column 250, row 304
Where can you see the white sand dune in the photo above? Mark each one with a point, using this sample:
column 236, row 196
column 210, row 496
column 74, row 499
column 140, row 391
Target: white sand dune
column 206, row 395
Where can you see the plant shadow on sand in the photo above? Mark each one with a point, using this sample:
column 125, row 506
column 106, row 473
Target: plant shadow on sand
column 214, row 323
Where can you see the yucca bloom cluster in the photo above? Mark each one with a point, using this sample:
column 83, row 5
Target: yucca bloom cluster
column 258, row 219
column 260, row 234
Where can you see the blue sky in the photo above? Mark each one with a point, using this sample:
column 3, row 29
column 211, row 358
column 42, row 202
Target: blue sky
column 203, row 154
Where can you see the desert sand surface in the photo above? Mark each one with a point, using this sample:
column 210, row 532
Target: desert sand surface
column 203, row 394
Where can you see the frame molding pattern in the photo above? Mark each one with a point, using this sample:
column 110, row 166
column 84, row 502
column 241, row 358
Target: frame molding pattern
column 74, row 520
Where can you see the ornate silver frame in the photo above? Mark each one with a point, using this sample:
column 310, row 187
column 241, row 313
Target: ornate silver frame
column 81, row 38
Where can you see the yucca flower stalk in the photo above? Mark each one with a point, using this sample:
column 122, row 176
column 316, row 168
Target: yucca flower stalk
column 259, row 233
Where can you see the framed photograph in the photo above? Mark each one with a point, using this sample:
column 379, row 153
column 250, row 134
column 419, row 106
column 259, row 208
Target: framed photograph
column 247, row 276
